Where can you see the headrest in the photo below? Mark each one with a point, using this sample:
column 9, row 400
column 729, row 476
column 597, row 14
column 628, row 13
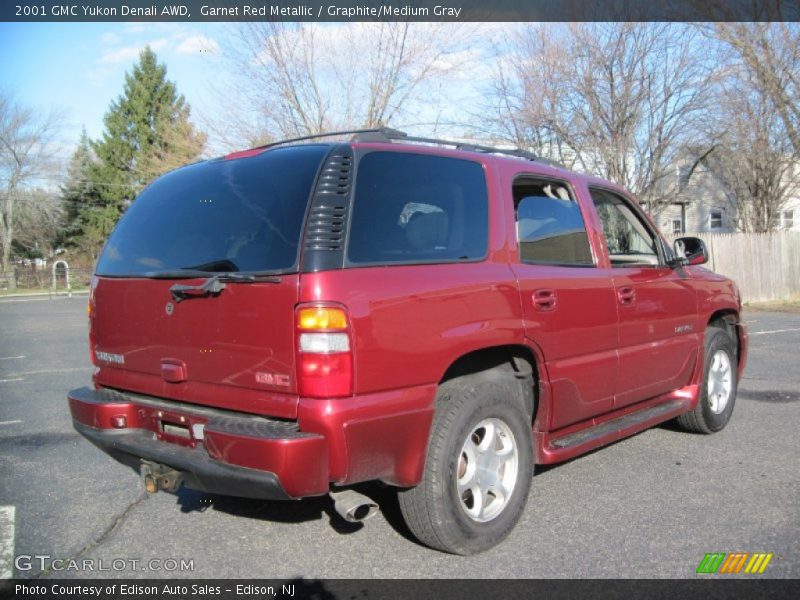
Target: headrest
column 426, row 231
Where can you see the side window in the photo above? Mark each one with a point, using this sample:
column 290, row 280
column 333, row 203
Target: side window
column 418, row 208
column 550, row 228
column 628, row 239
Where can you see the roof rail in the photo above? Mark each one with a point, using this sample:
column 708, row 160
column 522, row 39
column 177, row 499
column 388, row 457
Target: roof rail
column 388, row 135
column 354, row 132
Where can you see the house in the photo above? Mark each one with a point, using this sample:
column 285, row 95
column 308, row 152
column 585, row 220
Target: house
column 702, row 206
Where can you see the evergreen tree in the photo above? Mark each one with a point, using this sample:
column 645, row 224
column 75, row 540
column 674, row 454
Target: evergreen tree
column 77, row 193
column 147, row 132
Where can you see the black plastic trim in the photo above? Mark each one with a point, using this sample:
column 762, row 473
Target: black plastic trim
column 323, row 243
column 198, row 469
column 257, row 428
column 598, row 431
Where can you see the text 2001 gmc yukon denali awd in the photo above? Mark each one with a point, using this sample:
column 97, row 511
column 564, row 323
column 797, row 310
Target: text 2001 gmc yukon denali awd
column 290, row 320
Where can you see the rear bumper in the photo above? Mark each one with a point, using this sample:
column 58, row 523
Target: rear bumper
column 199, row 471
column 217, row 452
column 378, row 436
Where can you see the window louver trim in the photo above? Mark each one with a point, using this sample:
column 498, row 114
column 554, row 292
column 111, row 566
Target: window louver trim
column 328, row 214
column 336, row 175
column 325, row 228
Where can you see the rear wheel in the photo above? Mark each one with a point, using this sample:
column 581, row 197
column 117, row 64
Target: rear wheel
column 718, row 389
column 478, row 469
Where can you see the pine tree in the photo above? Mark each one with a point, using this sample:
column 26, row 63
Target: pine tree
column 147, row 132
column 78, row 194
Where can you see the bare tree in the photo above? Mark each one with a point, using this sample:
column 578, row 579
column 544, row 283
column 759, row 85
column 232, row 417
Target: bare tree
column 38, row 221
column 403, row 58
column 526, row 93
column 303, row 79
column 24, row 155
column 620, row 100
column 757, row 175
column 281, row 60
column 758, row 158
column 770, row 53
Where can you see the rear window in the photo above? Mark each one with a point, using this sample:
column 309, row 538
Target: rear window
column 417, row 208
column 244, row 214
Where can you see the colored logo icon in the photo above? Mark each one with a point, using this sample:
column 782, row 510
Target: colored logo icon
column 736, row 562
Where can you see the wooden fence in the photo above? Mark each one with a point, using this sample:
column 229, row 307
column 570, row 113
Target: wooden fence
column 766, row 266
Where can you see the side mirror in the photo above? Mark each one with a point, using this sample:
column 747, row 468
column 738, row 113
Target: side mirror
column 690, row 251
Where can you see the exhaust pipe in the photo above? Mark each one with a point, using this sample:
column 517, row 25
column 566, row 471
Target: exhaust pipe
column 352, row 506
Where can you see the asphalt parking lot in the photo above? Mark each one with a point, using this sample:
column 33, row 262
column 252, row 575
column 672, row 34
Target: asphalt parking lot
column 649, row 506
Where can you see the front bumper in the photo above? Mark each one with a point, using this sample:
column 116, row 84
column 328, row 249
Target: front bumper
column 215, row 451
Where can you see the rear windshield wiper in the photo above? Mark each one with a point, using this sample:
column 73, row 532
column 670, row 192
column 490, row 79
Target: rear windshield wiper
column 214, row 285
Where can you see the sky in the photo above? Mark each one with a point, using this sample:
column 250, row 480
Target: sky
column 79, row 68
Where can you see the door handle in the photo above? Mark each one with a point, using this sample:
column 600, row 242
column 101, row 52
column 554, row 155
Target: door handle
column 544, row 300
column 626, row 295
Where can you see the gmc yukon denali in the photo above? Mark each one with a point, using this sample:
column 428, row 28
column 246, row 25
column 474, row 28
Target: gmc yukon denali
column 291, row 320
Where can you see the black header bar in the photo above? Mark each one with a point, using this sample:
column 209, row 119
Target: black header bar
column 731, row 588
column 401, row 10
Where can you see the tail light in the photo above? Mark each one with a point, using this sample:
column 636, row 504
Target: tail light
column 325, row 357
column 91, row 307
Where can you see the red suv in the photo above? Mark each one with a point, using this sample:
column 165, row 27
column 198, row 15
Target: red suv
column 291, row 320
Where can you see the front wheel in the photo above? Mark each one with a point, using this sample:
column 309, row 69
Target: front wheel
column 478, row 470
column 718, row 390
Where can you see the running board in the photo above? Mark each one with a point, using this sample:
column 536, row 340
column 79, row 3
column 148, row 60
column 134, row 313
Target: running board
column 617, row 425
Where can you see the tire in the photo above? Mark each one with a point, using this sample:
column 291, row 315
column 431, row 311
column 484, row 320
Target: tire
column 718, row 388
column 478, row 469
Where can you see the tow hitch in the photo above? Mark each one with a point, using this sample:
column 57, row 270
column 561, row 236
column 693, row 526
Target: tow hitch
column 160, row 477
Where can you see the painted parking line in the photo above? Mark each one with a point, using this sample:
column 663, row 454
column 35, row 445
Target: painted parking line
column 774, row 331
column 22, row 376
column 7, row 514
column 50, row 371
column 14, row 422
column 45, row 298
column 11, row 357
column 12, row 300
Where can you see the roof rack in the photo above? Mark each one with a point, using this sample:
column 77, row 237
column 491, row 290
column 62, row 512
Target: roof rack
column 315, row 136
column 388, row 135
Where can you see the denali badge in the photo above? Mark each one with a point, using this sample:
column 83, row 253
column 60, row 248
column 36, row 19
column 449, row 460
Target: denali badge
column 169, row 308
column 684, row 328
column 108, row 357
